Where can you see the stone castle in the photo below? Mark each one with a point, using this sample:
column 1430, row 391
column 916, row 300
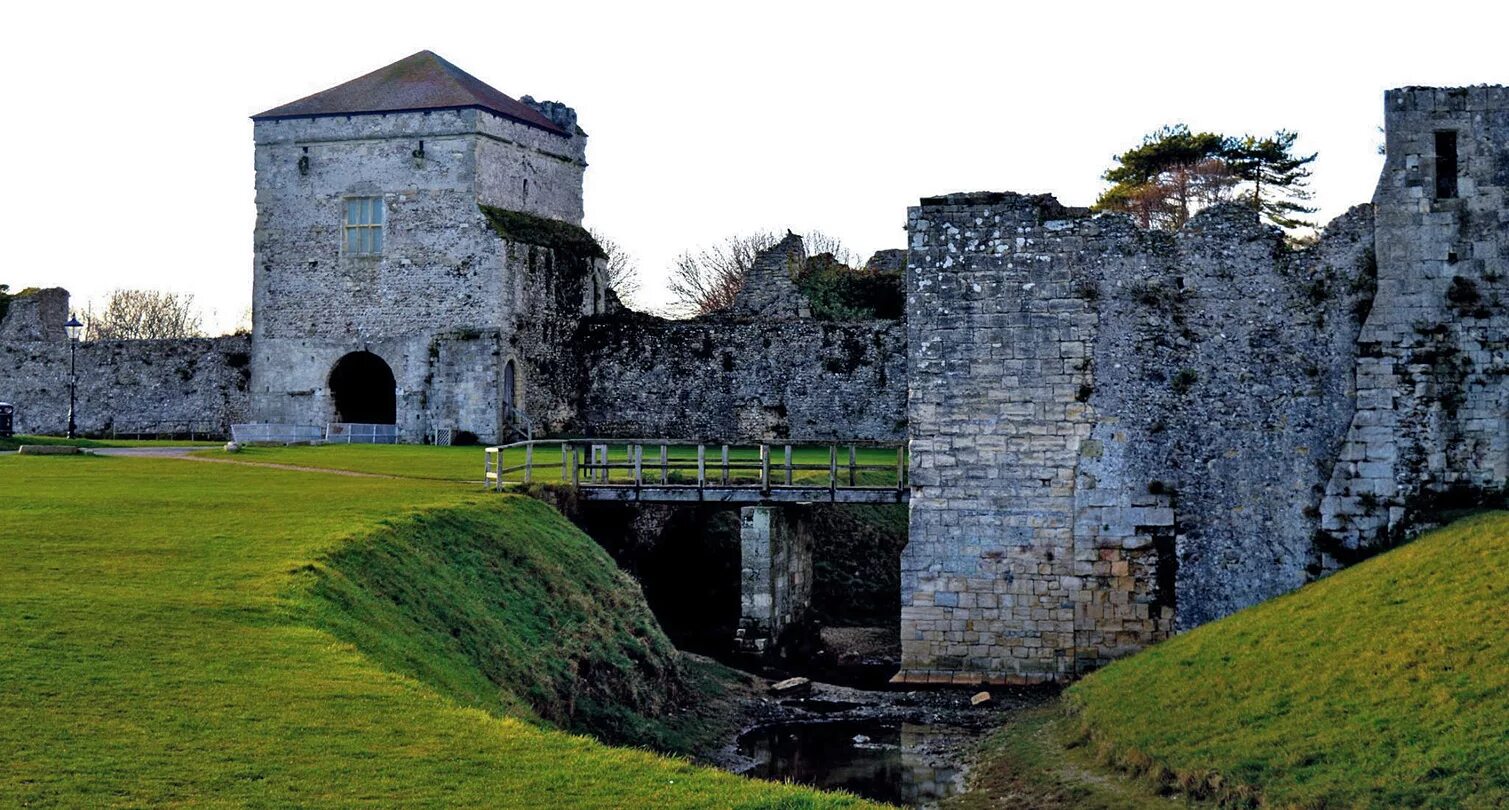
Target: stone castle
column 1115, row 433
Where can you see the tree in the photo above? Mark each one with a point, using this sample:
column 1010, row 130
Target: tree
column 144, row 315
column 1279, row 178
column 1166, row 179
column 1175, row 172
column 623, row 271
column 818, row 243
column 707, row 280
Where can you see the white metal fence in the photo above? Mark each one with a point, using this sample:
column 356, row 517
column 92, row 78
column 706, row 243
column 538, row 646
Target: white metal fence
column 271, row 432
column 357, row 433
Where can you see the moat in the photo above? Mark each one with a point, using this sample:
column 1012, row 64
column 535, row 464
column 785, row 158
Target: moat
column 911, row 748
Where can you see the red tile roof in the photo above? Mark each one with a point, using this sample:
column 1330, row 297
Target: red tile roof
column 423, row 81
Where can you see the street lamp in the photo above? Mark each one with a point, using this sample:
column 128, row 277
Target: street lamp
column 75, row 331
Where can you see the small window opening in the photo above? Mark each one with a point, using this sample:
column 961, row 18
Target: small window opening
column 526, row 191
column 364, row 226
column 1446, row 165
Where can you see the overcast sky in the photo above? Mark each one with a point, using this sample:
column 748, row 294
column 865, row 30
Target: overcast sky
column 128, row 154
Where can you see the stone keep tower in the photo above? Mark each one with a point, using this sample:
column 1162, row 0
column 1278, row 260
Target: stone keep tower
column 389, row 286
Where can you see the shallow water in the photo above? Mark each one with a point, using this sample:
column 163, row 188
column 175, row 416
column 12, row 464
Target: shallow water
column 884, row 759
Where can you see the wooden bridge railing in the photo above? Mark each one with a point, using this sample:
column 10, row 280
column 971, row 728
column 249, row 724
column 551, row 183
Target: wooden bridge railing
column 663, row 470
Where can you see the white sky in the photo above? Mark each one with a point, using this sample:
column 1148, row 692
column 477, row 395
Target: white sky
column 127, row 153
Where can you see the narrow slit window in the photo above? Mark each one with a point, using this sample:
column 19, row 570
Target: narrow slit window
column 1446, row 165
column 364, row 226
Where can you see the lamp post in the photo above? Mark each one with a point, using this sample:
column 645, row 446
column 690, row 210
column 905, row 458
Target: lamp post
column 75, row 330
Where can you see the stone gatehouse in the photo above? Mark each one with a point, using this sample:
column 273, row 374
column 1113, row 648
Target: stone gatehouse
column 382, row 290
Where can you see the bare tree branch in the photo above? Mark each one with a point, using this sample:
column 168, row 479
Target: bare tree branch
column 706, row 281
column 144, row 315
column 623, row 270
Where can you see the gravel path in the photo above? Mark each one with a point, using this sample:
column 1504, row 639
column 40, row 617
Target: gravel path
column 184, row 453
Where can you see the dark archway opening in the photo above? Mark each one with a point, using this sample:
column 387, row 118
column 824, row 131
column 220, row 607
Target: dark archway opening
column 364, row 391
column 688, row 561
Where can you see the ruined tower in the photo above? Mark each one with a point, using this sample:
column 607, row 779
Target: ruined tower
column 1119, row 433
column 384, row 292
column 1432, row 399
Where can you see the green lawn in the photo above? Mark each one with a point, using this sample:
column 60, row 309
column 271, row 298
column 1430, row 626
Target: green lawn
column 1385, row 685
column 173, row 636
column 458, row 464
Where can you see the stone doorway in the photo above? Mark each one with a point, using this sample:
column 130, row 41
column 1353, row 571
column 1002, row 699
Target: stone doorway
column 363, row 390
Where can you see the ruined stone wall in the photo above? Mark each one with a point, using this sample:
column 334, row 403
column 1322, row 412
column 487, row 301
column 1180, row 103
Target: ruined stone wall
column 1115, row 432
column 124, row 386
column 1432, row 396
column 1222, row 387
column 770, row 289
column 725, row 379
column 559, row 286
column 764, row 370
column 35, row 315
column 1000, row 339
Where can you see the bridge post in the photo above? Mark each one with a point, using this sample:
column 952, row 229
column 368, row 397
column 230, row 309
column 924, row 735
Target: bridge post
column 776, row 576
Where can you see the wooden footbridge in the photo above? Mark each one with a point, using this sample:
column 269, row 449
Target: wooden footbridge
column 667, row 471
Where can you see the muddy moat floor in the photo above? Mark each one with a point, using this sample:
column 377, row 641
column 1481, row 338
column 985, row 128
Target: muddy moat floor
column 907, row 747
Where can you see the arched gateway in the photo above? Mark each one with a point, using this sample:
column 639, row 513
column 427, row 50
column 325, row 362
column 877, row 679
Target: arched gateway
column 362, row 386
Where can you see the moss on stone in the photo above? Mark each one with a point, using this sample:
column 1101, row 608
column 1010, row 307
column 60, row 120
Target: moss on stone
column 564, row 238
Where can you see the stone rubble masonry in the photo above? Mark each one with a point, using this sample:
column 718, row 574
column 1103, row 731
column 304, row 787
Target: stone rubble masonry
column 1431, row 394
column 124, row 386
column 36, row 316
column 770, row 289
column 1117, row 434
column 724, row 380
column 448, row 303
column 775, row 549
column 766, row 371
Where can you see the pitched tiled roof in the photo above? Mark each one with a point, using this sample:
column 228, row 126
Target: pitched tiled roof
column 423, row 81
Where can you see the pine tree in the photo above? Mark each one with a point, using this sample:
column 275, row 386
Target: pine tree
column 1279, row 179
column 1172, row 174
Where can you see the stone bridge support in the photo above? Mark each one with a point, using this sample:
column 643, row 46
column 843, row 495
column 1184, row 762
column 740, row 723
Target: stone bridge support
column 776, row 575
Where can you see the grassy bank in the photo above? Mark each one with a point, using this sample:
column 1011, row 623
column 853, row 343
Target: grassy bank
column 509, row 608
column 1385, row 685
column 181, row 633
column 1036, row 760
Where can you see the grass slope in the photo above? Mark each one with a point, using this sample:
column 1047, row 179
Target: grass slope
column 163, row 645
column 515, row 611
column 1385, row 685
